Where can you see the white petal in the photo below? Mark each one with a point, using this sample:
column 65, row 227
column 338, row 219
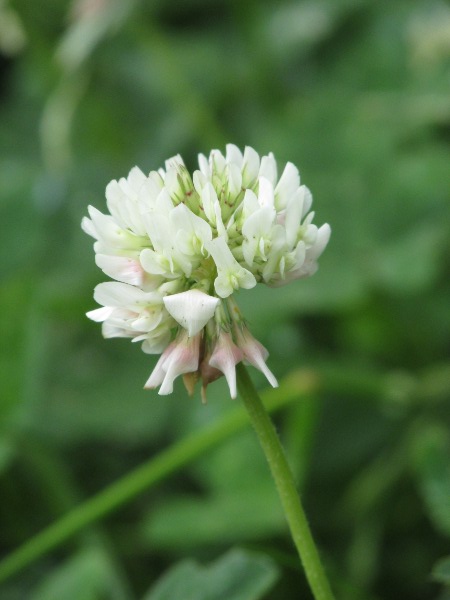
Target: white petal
column 209, row 200
column 122, row 295
column 234, row 180
column 323, row 236
column 100, row 314
column 250, row 204
column 287, row 186
column 231, row 275
column 234, row 155
column 191, row 309
column 149, row 192
column 221, row 253
column 300, row 255
column 155, row 345
column 173, row 162
column 121, row 200
column 265, row 193
column 223, row 286
column 153, row 262
column 88, row 227
column 307, row 201
column 246, row 279
column 199, row 180
column 268, row 168
column 250, row 167
column 292, row 218
column 204, row 165
column 257, row 226
column 109, row 231
column 182, row 218
column 121, row 268
column 148, row 321
column 217, row 162
column 136, row 178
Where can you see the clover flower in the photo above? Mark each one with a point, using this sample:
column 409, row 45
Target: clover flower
column 178, row 246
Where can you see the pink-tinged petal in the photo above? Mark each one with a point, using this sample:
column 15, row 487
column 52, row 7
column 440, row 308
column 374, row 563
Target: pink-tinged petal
column 225, row 357
column 254, row 353
column 158, row 373
column 183, row 359
column 121, row 268
column 180, row 357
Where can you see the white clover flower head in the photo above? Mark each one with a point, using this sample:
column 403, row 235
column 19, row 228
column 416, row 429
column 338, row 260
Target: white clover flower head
column 178, row 246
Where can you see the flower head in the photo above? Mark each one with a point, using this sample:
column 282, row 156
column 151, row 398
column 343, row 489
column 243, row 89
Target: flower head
column 178, row 246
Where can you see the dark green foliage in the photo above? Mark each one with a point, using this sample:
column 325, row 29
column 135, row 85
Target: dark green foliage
column 355, row 93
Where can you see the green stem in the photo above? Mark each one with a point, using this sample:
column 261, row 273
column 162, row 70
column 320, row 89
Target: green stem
column 285, row 484
column 151, row 472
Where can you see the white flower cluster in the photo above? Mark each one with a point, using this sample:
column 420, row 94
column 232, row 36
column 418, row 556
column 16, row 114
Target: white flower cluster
column 178, row 246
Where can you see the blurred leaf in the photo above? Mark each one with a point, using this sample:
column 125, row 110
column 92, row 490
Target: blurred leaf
column 240, row 502
column 188, row 522
column 441, row 571
column 14, row 325
column 85, row 576
column 21, row 226
column 7, row 452
column 238, row 463
column 91, row 24
column 411, row 262
column 238, row 575
column 12, row 34
column 431, row 453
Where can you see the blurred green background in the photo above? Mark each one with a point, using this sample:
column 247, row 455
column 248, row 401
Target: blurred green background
column 357, row 95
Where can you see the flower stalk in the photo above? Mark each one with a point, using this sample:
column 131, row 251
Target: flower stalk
column 285, row 484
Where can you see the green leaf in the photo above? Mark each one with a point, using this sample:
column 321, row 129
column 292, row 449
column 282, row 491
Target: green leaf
column 238, row 575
